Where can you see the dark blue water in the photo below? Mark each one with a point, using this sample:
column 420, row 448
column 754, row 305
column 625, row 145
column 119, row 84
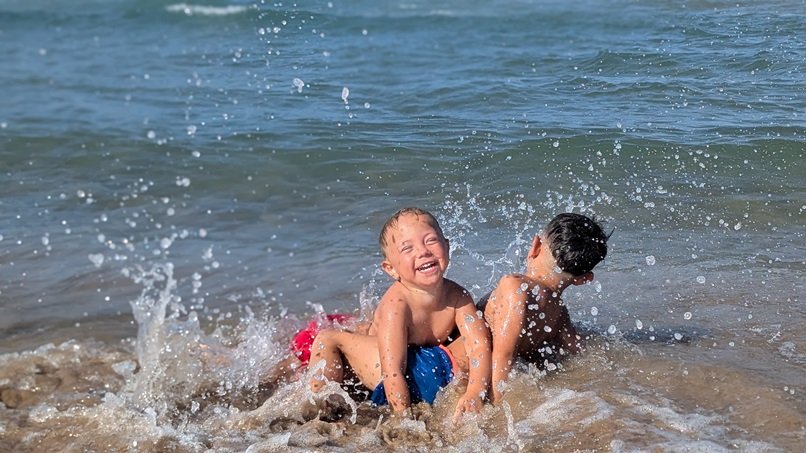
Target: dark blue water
column 259, row 147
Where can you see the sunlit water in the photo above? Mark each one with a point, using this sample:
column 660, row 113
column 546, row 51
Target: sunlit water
column 183, row 185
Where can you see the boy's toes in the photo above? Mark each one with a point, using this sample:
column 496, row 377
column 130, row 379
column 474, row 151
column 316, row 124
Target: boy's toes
column 336, row 408
column 329, row 409
column 283, row 424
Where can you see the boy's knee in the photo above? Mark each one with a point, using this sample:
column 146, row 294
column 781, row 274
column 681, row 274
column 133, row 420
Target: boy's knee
column 327, row 337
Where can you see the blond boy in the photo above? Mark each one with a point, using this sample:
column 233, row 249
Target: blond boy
column 421, row 308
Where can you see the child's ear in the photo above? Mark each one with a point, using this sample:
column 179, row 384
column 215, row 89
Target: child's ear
column 534, row 251
column 582, row 279
column 390, row 270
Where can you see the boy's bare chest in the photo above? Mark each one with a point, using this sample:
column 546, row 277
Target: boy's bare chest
column 431, row 327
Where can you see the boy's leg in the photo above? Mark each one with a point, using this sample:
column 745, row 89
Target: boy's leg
column 459, row 353
column 360, row 352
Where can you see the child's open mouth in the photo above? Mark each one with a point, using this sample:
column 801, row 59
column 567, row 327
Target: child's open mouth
column 427, row 266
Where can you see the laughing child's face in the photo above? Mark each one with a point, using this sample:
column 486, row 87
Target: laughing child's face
column 417, row 253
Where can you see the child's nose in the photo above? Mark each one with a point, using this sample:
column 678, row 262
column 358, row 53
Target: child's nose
column 424, row 251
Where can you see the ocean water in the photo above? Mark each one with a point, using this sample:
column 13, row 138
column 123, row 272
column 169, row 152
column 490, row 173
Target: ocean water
column 183, row 185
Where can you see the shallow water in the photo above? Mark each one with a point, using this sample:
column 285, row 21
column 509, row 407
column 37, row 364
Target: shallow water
column 185, row 184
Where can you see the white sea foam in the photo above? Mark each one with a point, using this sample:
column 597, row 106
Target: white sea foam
column 202, row 10
column 564, row 408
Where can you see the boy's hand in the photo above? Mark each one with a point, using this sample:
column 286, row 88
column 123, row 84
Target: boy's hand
column 467, row 403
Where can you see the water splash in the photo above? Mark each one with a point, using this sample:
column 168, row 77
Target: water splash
column 149, row 311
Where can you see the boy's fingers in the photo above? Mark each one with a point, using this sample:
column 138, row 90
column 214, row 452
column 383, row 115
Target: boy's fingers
column 457, row 414
column 464, row 407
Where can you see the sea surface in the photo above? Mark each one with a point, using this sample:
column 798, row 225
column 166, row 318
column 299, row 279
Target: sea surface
column 184, row 185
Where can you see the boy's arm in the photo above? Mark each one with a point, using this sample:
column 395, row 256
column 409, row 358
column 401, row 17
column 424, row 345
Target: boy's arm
column 506, row 314
column 569, row 338
column 476, row 338
column 392, row 319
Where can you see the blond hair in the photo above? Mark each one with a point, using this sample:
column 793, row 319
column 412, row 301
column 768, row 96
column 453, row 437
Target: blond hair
column 383, row 240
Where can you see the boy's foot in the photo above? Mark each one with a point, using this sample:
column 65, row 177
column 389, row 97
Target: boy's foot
column 284, row 424
column 330, row 409
column 336, row 408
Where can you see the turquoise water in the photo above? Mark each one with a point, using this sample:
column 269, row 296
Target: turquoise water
column 259, row 147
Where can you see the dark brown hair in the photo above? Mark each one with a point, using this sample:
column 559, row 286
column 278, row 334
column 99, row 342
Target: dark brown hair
column 578, row 243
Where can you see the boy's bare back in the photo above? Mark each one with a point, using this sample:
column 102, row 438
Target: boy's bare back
column 546, row 321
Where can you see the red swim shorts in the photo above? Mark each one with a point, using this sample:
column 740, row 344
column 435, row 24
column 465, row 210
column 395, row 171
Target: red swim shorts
column 303, row 340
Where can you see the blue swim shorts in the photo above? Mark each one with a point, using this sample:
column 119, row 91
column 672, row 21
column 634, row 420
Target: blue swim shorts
column 428, row 370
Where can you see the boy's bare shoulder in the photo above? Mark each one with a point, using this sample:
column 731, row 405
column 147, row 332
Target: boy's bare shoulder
column 455, row 287
column 393, row 301
column 511, row 283
column 456, row 291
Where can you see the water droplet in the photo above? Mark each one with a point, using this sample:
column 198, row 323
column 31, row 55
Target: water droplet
column 612, row 329
column 594, row 311
column 298, row 84
column 678, row 336
column 638, row 324
column 650, row 260
column 687, row 315
column 96, row 258
column 700, row 279
column 345, row 93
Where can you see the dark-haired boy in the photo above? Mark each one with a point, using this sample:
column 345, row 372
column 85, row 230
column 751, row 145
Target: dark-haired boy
column 525, row 312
